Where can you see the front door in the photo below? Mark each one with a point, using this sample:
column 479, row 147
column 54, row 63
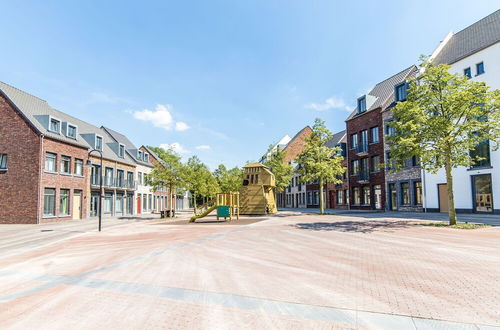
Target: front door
column 377, row 192
column 139, row 204
column 443, row 197
column 393, row 195
column 482, row 193
column 77, row 205
column 94, row 204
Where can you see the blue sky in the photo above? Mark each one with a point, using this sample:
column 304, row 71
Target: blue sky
column 220, row 79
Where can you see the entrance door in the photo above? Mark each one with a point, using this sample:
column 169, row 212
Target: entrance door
column 393, row 195
column 139, row 204
column 94, row 204
column 377, row 191
column 77, row 205
column 482, row 193
column 443, row 197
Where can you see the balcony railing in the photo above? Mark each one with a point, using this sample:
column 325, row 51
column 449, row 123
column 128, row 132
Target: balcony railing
column 364, row 176
column 110, row 182
column 362, row 149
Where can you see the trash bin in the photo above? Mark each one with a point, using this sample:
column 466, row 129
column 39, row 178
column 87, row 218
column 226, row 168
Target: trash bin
column 162, row 214
column 223, row 211
column 168, row 213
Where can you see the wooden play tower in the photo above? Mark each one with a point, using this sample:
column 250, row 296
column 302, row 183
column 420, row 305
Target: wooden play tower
column 257, row 195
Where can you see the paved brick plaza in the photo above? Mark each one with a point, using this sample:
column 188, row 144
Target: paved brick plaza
column 292, row 271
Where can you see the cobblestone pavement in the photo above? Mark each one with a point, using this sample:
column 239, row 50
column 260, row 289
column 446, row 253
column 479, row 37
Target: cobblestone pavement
column 292, row 271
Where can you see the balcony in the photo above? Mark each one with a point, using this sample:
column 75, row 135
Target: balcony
column 110, row 182
column 362, row 149
column 364, row 177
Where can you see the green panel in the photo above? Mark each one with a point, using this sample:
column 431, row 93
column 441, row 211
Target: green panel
column 223, row 211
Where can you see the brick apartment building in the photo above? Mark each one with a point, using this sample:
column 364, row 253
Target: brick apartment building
column 295, row 194
column 366, row 154
column 338, row 194
column 46, row 178
column 404, row 187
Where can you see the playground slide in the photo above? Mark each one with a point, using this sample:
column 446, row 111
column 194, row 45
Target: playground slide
column 204, row 214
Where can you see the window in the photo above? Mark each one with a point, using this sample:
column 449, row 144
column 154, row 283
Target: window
column 120, row 178
column 49, row 202
column 401, row 92
column 389, row 130
column 71, row 131
column 346, row 196
column 130, row 179
column 3, row 162
column 98, row 142
column 356, row 195
column 389, row 161
column 79, row 167
column 55, row 125
column 416, row 161
column 479, row 68
column 108, row 176
column 139, row 178
column 50, row 162
column 408, row 162
column 146, row 157
column 364, row 169
column 374, row 134
column 95, row 175
column 108, row 203
column 64, row 202
column 364, row 141
column 354, row 141
column 339, row 197
column 121, row 151
column 355, row 167
column 375, row 163
column 366, row 195
column 481, row 154
column 467, row 72
column 66, row 165
column 139, row 155
column 405, row 193
column 417, row 192
column 362, row 104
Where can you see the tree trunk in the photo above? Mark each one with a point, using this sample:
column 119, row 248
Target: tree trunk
column 451, row 200
column 321, row 199
column 171, row 200
column 194, row 203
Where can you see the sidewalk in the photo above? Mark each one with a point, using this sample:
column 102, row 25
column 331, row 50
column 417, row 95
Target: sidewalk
column 493, row 219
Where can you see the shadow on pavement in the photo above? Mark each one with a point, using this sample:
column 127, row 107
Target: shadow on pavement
column 354, row 226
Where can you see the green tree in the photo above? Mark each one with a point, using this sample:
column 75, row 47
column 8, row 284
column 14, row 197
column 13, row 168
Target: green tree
column 444, row 118
column 319, row 162
column 198, row 179
column 228, row 180
column 167, row 173
column 282, row 171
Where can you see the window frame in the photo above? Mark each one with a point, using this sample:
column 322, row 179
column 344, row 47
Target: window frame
column 55, row 162
column 97, row 138
column 354, row 141
column 468, row 72
column 59, row 124
column 68, row 204
column 121, row 150
column 372, row 129
column 5, row 160
column 362, row 101
column 402, row 193
column 78, row 161
column 478, row 65
column 401, row 86
column 415, row 201
column 53, row 206
column 68, row 125
column 65, row 159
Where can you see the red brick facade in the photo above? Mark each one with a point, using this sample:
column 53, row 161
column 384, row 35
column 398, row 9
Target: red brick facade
column 19, row 185
column 296, row 145
column 376, row 179
column 334, row 189
column 58, row 180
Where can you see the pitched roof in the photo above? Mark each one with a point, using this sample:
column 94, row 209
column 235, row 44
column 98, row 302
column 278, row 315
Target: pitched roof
column 296, row 144
column 255, row 165
column 383, row 92
column 154, row 155
column 470, row 40
column 336, row 139
column 130, row 148
column 37, row 112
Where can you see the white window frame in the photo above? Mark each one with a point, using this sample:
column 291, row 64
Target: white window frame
column 6, row 167
column 68, row 125
column 95, row 142
column 120, row 153
column 51, row 118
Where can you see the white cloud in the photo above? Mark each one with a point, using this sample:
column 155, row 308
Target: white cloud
column 181, row 126
column 176, row 146
column 333, row 102
column 160, row 117
column 203, row 147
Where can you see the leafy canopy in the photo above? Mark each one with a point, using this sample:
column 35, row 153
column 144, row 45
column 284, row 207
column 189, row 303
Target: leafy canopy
column 282, row 172
column 444, row 117
column 228, row 180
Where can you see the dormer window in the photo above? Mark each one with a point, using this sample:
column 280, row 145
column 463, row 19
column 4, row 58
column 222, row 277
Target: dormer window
column 71, row 131
column 98, row 142
column 139, row 155
column 55, row 125
column 121, row 151
column 467, row 72
column 362, row 104
column 146, row 157
column 401, row 91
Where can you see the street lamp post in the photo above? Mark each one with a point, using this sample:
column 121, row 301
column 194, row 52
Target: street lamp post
column 101, row 192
